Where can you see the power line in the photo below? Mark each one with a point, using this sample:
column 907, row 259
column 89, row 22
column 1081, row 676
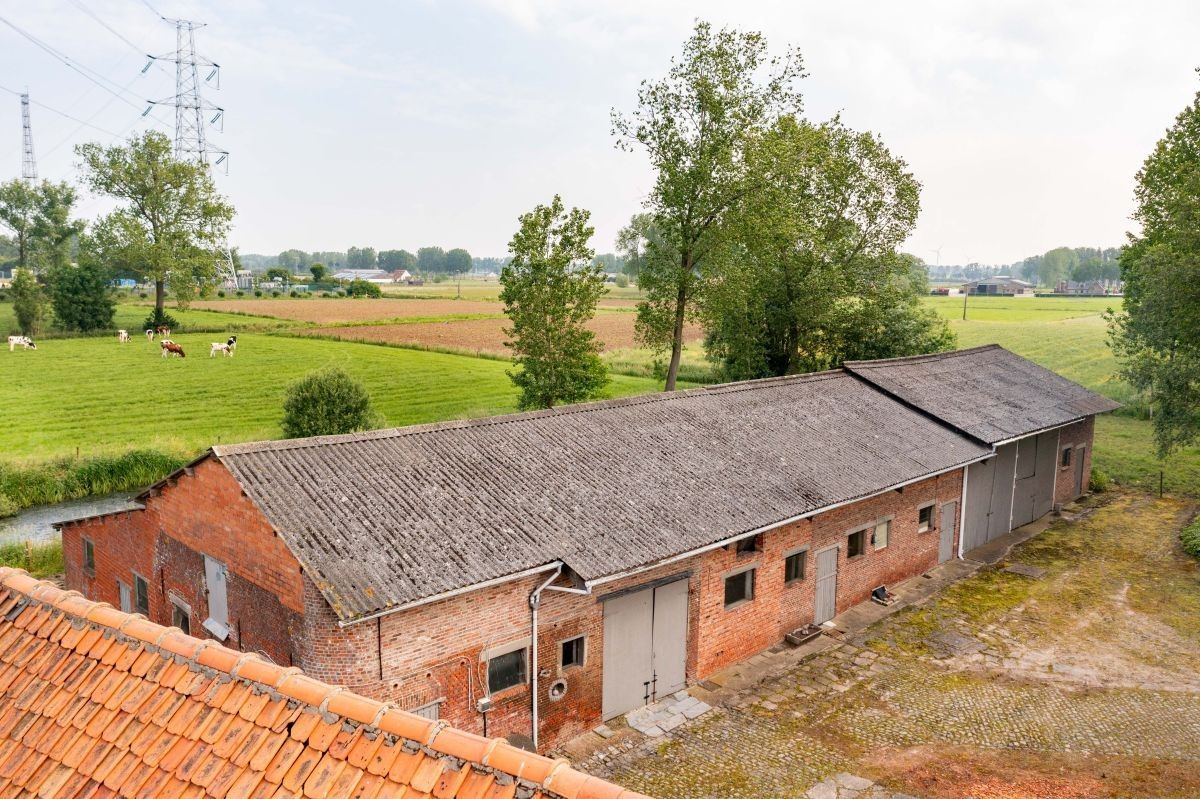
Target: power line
column 53, row 110
column 153, row 10
column 132, row 45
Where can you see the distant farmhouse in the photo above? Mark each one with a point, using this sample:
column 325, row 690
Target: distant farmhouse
column 534, row 574
column 1091, row 288
column 369, row 275
column 999, row 286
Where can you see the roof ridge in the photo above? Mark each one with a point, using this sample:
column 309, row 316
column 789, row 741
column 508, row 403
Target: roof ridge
column 930, row 356
column 490, row 754
column 276, row 445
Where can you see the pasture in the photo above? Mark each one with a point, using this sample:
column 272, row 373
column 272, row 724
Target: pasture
column 130, row 317
column 95, row 395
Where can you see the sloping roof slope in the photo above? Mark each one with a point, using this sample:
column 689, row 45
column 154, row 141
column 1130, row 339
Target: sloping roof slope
column 386, row 518
column 98, row 703
column 987, row 392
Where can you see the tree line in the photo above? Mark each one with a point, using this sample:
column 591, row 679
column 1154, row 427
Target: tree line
column 778, row 235
column 1080, row 264
column 428, row 260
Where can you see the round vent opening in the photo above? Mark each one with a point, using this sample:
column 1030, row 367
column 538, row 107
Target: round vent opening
column 558, row 689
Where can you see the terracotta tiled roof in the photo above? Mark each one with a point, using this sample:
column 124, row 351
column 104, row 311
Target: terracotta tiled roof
column 99, row 703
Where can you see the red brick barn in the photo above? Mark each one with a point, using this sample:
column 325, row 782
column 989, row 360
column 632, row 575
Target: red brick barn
column 563, row 566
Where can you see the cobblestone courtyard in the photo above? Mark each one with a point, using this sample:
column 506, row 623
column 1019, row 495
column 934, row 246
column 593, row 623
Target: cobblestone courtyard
column 1078, row 681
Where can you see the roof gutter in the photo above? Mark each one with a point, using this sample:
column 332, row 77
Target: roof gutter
column 589, row 584
column 1039, row 431
column 553, row 565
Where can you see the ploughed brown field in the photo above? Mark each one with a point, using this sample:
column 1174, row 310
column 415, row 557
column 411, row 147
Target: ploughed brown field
column 615, row 331
column 325, row 311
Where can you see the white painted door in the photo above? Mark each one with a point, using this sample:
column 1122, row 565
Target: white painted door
column 826, row 601
column 628, row 652
column 670, row 638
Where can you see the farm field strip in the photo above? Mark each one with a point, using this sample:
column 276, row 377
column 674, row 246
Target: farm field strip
column 97, row 395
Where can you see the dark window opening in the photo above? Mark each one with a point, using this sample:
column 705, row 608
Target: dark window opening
column 1066, row 456
column 572, row 653
column 747, row 545
column 925, row 519
column 739, row 588
column 141, row 595
column 794, row 566
column 506, row 671
column 856, row 544
column 89, row 556
column 181, row 618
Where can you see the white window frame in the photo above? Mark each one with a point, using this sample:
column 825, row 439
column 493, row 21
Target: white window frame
column 741, row 571
column 787, row 556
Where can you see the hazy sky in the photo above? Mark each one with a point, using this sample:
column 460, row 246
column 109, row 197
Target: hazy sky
column 403, row 124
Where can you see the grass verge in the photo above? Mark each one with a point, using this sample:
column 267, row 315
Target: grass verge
column 40, row 560
column 22, row 486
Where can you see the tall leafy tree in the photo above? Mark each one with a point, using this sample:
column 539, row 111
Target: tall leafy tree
column 550, row 289
column 172, row 222
column 318, row 272
column 813, row 276
column 1157, row 336
column 29, row 303
column 39, row 216
column 81, row 295
column 395, row 260
column 694, row 125
column 431, row 260
column 633, row 242
column 458, row 261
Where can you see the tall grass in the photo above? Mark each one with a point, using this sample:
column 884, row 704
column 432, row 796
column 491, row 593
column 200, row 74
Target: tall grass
column 40, row 560
column 22, row 486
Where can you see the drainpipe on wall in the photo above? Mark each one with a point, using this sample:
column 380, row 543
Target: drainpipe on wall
column 962, row 512
column 535, row 601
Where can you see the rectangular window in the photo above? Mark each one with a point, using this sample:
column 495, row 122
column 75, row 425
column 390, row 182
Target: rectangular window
column 216, row 578
column 89, row 556
column 879, row 536
column 925, row 519
column 739, row 588
column 141, row 595
column 181, row 617
column 126, row 597
column 506, row 671
column 856, row 544
column 1066, row 457
column 794, row 566
column 747, row 545
column 572, row 653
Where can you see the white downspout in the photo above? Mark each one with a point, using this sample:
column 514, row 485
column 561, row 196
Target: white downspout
column 962, row 512
column 535, row 599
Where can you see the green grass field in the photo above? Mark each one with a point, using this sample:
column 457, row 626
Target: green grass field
column 130, row 317
column 97, row 395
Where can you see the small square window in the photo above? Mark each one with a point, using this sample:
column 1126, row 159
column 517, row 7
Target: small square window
column 506, row 671
column 181, row 617
column 89, row 556
column 1066, row 457
column 879, row 536
column 856, row 544
column 794, row 566
column 141, row 595
column 571, row 653
column 739, row 588
column 925, row 519
column 747, row 545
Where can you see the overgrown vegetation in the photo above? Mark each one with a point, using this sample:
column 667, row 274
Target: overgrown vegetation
column 41, row 560
column 1190, row 538
column 22, row 486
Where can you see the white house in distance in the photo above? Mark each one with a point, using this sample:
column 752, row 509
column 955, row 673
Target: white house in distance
column 369, row 275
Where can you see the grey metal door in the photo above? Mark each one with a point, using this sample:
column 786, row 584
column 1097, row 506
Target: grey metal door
column 628, row 651
column 826, row 602
column 670, row 638
column 645, row 646
column 1047, row 473
column 999, row 522
column 1024, row 493
column 979, row 503
column 948, row 522
column 1079, row 453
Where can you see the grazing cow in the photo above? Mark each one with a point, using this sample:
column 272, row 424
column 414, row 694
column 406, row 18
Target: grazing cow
column 25, row 341
column 161, row 330
column 225, row 349
column 149, row 334
column 123, row 336
column 171, row 348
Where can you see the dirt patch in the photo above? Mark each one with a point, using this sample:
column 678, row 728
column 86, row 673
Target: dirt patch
column 956, row 772
column 329, row 311
column 614, row 330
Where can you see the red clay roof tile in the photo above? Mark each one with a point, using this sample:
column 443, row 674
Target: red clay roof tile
column 95, row 703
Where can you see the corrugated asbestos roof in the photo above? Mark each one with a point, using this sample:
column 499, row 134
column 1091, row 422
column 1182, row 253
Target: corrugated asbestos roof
column 988, row 392
column 386, row 518
column 98, row 703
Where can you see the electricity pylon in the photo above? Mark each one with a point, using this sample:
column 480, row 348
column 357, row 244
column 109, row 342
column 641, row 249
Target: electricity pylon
column 28, row 164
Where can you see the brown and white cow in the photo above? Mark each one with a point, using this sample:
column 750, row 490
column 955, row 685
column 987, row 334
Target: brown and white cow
column 25, row 342
column 171, row 348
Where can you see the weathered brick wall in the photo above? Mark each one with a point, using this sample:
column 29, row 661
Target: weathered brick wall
column 202, row 513
column 1080, row 434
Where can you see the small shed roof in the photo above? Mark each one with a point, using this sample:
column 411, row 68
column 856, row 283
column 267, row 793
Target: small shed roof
column 988, row 392
column 386, row 518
